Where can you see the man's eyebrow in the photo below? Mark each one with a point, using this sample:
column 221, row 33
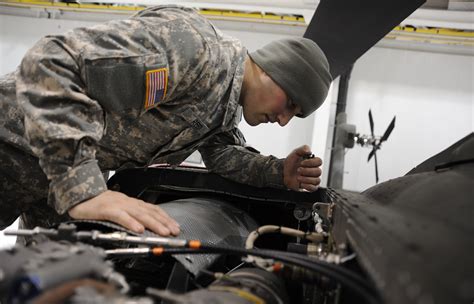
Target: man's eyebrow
column 292, row 104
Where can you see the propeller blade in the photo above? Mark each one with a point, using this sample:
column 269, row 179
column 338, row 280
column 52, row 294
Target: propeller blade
column 371, row 120
column 372, row 153
column 376, row 169
column 389, row 130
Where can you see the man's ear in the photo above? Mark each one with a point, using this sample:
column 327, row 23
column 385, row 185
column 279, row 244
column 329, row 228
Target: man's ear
column 266, row 81
column 265, row 75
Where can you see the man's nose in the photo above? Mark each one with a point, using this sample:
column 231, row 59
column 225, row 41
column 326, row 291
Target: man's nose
column 284, row 118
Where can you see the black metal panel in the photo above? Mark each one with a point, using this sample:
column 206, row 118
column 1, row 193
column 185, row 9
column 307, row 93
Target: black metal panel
column 345, row 30
column 214, row 221
column 196, row 181
column 267, row 206
column 414, row 234
column 459, row 153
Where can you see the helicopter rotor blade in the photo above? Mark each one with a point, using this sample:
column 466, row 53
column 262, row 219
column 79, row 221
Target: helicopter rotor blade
column 372, row 153
column 389, row 130
column 371, row 121
column 376, row 169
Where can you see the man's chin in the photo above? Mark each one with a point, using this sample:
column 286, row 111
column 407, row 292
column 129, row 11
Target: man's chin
column 251, row 122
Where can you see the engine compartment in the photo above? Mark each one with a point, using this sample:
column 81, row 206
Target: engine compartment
column 221, row 215
column 408, row 240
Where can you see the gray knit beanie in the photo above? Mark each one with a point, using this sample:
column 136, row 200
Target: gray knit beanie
column 299, row 67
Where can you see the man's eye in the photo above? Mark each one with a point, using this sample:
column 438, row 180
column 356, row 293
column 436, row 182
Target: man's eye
column 290, row 104
column 293, row 107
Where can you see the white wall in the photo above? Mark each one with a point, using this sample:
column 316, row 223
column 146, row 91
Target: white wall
column 18, row 34
column 432, row 96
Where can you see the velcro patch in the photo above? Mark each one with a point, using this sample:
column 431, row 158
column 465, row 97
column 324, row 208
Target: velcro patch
column 156, row 84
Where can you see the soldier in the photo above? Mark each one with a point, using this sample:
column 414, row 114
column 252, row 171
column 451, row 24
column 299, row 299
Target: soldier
column 149, row 89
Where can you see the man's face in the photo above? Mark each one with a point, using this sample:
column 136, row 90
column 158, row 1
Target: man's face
column 267, row 102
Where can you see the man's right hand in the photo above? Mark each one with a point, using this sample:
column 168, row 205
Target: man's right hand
column 132, row 213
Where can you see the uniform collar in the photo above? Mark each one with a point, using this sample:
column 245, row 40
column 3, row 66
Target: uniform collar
column 233, row 113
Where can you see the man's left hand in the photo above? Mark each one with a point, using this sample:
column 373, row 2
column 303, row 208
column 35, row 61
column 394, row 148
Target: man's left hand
column 300, row 173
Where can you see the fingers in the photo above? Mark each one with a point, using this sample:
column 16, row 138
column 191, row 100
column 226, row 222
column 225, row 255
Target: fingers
column 308, row 174
column 312, row 162
column 301, row 170
column 151, row 222
column 302, row 151
column 155, row 219
column 309, row 171
column 124, row 219
column 134, row 214
column 308, row 182
column 309, row 187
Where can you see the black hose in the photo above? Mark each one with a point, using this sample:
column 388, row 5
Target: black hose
column 344, row 276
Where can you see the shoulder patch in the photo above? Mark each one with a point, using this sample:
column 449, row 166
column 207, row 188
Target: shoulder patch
column 156, row 85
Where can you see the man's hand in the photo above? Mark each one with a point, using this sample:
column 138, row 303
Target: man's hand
column 300, row 173
column 133, row 214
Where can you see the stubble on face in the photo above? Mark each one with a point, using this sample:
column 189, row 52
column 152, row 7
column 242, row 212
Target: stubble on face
column 263, row 101
column 251, row 86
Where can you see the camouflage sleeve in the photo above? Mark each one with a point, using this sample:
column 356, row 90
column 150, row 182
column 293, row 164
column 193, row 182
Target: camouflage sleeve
column 62, row 124
column 227, row 155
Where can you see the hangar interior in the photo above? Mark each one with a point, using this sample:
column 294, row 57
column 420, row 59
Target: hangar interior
column 426, row 80
column 421, row 72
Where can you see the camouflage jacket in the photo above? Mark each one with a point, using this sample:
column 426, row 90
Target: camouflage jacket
column 149, row 89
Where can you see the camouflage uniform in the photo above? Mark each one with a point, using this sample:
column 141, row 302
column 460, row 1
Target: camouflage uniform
column 85, row 103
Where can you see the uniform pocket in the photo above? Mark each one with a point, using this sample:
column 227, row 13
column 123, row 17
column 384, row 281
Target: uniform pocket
column 120, row 84
column 193, row 132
